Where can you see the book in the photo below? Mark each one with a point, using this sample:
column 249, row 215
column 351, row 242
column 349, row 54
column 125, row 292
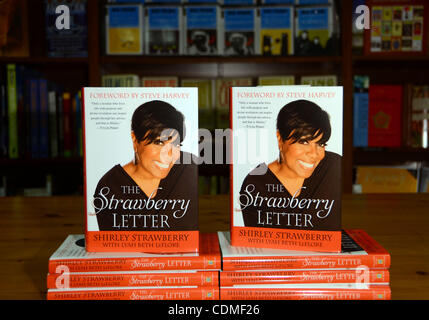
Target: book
column 67, row 125
column 360, row 111
column 53, row 123
column 396, row 27
column 325, row 80
column 241, row 27
column 3, row 121
column 34, row 117
column 14, row 29
column 222, row 99
column 120, row 80
column 287, row 150
column 311, row 292
column 203, row 30
column 276, row 30
column 138, row 293
column 276, row 80
column 314, row 30
column 70, row 40
column 43, row 119
column 358, row 249
column 72, row 257
column 12, row 111
column 159, row 81
column 312, row 276
column 124, row 29
column 163, row 30
column 143, row 184
column 163, row 278
column 419, row 117
column 384, row 115
column 206, row 111
column 388, row 179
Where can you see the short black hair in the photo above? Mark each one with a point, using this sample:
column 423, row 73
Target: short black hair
column 303, row 118
column 155, row 118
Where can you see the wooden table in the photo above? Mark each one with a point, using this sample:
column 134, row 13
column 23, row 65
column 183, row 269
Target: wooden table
column 31, row 229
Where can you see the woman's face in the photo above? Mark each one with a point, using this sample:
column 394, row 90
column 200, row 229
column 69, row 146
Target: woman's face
column 158, row 157
column 301, row 158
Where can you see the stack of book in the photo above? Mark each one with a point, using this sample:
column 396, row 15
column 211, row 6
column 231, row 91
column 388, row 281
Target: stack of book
column 359, row 272
column 75, row 274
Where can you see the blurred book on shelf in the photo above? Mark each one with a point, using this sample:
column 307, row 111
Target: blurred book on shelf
column 14, row 28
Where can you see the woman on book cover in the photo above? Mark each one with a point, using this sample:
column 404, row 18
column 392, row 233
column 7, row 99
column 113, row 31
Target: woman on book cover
column 302, row 188
column 157, row 190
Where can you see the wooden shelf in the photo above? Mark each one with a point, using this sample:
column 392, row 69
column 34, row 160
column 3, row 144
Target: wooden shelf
column 215, row 59
column 388, row 156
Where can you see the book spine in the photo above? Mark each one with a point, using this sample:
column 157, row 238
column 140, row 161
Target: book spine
column 44, row 118
column 309, row 262
column 12, row 111
column 34, row 118
column 67, row 125
column 199, row 278
column 230, row 278
column 373, row 293
column 53, row 125
column 360, row 119
column 137, row 294
column 209, row 262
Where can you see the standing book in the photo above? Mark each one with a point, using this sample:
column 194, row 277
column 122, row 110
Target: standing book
column 276, row 32
column 203, row 30
column 384, row 115
column 124, row 29
column 141, row 177
column 286, row 168
column 163, row 30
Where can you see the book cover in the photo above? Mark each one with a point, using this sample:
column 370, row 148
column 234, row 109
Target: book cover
column 276, row 31
column 72, row 257
column 163, row 278
column 206, row 111
column 286, row 168
column 223, row 86
column 276, row 80
column 138, row 293
column 397, row 27
column 309, row 292
column 344, row 276
column 163, row 30
column 384, row 116
column 67, row 42
column 141, row 177
column 202, row 30
column 360, row 111
column 159, row 81
column 419, row 132
column 357, row 249
column 120, row 80
column 325, row 80
column 314, row 30
column 241, row 27
column 14, row 29
column 124, row 29
column 388, row 179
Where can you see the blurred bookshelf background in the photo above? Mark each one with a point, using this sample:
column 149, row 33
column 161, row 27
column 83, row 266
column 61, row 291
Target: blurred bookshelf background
column 213, row 45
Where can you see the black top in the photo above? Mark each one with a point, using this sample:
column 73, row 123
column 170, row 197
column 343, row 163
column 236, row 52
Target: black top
column 265, row 202
column 121, row 205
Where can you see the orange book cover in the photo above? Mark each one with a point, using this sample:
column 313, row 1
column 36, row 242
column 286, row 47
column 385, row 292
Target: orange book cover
column 163, row 278
column 71, row 256
column 139, row 293
column 286, row 167
column 364, row 275
column 358, row 250
column 310, row 292
column 141, row 173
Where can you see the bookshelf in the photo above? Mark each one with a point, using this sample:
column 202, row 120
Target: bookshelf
column 74, row 73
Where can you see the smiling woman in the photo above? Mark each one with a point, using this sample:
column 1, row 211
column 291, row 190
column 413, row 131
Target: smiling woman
column 304, row 170
column 157, row 174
